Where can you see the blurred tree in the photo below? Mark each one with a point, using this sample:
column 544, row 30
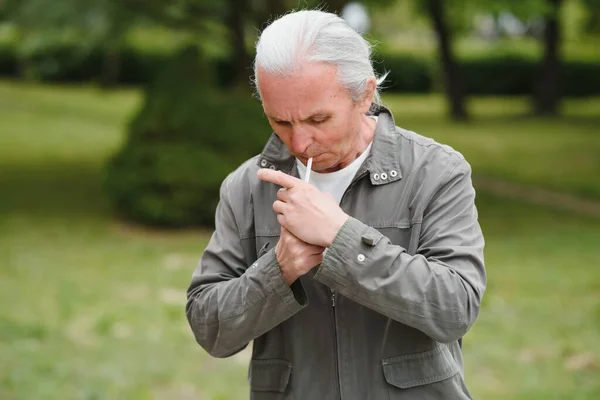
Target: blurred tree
column 102, row 24
column 547, row 93
column 450, row 73
column 183, row 15
column 241, row 59
column 593, row 21
column 39, row 23
column 261, row 12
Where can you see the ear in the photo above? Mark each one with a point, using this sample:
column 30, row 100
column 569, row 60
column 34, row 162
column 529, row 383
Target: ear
column 365, row 103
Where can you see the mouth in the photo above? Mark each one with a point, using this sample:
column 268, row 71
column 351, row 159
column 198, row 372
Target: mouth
column 305, row 158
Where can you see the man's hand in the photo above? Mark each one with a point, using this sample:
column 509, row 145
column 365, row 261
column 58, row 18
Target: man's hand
column 296, row 257
column 307, row 213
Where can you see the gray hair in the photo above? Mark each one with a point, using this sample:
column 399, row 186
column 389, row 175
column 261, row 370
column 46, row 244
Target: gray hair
column 313, row 35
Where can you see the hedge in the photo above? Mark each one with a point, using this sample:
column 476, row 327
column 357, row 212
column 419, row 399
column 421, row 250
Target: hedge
column 498, row 75
column 72, row 64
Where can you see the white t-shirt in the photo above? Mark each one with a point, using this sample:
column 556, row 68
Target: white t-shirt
column 336, row 182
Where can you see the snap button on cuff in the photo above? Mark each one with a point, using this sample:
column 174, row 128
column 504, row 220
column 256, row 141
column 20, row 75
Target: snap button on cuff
column 360, row 257
column 368, row 240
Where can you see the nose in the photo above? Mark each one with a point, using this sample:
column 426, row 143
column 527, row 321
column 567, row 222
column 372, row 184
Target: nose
column 301, row 139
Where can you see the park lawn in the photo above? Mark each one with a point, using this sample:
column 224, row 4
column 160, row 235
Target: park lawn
column 93, row 308
column 502, row 142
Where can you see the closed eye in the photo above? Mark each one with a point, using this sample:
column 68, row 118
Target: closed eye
column 318, row 121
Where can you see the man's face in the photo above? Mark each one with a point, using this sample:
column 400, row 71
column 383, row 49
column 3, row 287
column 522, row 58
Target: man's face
column 313, row 114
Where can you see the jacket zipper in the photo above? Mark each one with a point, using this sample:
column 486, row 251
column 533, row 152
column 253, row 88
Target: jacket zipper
column 333, row 296
column 335, row 344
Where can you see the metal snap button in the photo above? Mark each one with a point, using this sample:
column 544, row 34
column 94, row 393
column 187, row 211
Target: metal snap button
column 272, row 167
column 383, row 176
column 393, row 173
column 376, row 177
column 263, row 163
column 360, row 257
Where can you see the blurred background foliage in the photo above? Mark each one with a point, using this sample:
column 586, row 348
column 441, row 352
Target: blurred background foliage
column 543, row 49
column 119, row 118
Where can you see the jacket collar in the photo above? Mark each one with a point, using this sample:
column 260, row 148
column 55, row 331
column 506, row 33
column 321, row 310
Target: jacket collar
column 383, row 163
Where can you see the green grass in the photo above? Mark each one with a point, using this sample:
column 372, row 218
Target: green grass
column 93, row 308
column 502, row 142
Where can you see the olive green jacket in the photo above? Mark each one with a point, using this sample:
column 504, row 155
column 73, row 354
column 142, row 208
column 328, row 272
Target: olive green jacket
column 383, row 315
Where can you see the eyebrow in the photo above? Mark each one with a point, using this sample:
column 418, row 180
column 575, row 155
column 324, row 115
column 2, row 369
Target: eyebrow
column 317, row 114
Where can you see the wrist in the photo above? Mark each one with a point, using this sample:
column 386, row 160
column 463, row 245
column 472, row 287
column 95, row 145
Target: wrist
column 335, row 228
column 288, row 278
column 286, row 273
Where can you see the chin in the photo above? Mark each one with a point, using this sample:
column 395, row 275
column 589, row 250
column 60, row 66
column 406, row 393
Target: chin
column 325, row 166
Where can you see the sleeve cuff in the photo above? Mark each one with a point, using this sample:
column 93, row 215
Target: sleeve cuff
column 352, row 248
column 293, row 296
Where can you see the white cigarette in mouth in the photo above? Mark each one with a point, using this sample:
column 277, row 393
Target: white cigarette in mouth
column 308, row 167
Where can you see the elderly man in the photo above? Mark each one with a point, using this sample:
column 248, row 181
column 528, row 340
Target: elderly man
column 360, row 283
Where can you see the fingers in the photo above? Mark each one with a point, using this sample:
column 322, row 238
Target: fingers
column 281, row 221
column 283, row 195
column 278, row 178
column 279, row 207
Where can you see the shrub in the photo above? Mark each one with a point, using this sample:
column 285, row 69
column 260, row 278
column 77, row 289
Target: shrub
column 181, row 145
column 499, row 76
column 405, row 73
column 64, row 62
column 492, row 76
column 580, row 78
column 8, row 61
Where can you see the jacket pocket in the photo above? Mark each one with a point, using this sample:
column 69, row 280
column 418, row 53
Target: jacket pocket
column 271, row 375
column 399, row 236
column 412, row 370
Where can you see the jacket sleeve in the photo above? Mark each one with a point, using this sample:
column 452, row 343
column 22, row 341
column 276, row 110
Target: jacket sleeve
column 439, row 289
column 228, row 303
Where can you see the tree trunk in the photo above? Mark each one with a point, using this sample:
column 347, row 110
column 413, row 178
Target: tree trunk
column 242, row 70
column 547, row 96
column 276, row 8
column 452, row 82
column 111, row 68
column 336, row 6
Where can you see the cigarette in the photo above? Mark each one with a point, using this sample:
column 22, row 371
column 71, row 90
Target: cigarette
column 308, row 167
